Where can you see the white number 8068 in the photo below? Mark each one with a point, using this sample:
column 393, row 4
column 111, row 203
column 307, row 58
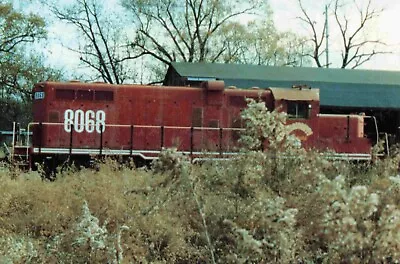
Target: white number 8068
column 85, row 121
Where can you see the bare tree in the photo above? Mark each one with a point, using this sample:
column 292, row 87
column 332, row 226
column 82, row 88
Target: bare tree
column 186, row 30
column 104, row 48
column 357, row 46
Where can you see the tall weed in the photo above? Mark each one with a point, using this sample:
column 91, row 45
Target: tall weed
column 280, row 205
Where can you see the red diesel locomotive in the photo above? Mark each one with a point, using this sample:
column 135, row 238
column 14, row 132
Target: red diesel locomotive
column 78, row 121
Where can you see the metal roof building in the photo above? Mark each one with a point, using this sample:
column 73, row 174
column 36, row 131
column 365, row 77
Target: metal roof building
column 339, row 88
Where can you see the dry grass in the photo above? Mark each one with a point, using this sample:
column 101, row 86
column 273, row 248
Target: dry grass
column 259, row 208
column 228, row 211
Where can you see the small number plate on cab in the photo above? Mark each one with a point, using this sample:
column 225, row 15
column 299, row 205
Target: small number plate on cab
column 38, row 95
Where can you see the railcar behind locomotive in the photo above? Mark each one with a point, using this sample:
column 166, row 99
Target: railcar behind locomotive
column 78, row 121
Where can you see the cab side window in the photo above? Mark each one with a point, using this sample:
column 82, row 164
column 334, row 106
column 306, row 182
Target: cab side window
column 298, row 109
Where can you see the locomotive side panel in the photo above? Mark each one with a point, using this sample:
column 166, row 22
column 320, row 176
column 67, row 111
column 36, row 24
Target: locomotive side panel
column 159, row 115
column 342, row 134
column 183, row 108
column 73, row 111
column 146, row 115
column 91, row 119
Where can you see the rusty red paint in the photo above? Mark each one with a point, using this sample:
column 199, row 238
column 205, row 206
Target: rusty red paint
column 147, row 118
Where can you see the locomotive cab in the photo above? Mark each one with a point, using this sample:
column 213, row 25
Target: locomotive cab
column 302, row 108
column 342, row 134
column 298, row 103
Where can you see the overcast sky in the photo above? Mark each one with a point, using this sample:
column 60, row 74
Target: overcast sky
column 385, row 28
column 286, row 12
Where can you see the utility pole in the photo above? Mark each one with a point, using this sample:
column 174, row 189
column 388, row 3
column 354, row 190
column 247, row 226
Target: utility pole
column 327, row 36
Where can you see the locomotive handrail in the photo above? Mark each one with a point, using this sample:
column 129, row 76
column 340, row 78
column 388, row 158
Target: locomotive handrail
column 139, row 126
column 13, row 142
column 162, row 134
column 386, row 143
column 376, row 127
column 143, row 126
column 223, row 148
column 37, row 123
column 191, row 128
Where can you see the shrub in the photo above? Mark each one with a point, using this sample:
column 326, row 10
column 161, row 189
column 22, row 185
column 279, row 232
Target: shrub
column 282, row 205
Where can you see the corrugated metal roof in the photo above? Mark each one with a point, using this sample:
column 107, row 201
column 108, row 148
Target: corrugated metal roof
column 298, row 74
column 338, row 87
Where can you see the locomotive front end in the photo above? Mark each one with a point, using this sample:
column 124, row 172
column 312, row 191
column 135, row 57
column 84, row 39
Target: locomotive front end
column 69, row 120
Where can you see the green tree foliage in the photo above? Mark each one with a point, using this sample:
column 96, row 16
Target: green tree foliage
column 211, row 31
column 20, row 65
column 17, row 31
column 259, row 42
column 17, row 28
